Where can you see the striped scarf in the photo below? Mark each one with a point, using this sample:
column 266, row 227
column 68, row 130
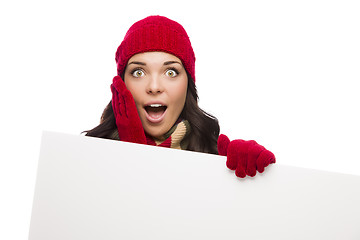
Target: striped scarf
column 175, row 138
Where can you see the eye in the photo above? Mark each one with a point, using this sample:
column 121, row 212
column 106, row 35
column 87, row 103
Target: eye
column 171, row 73
column 138, row 73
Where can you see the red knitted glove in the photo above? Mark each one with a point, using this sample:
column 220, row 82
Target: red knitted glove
column 245, row 157
column 127, row 118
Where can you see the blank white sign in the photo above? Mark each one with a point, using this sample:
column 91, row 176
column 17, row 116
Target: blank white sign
column 89, row 188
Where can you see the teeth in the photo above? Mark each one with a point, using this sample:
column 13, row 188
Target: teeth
column 155, row 105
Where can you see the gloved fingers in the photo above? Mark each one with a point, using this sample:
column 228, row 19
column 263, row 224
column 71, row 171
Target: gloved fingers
column 253, row 154
column 130, row 106
column 233, row 154
column 240, row 170
column 245, row 157
column 128, row 122
column 119, row 84
column 222, row 145
column 123, row 106
column 243, row 147
column 265, row 158
column 118, row 87
column 115, row 100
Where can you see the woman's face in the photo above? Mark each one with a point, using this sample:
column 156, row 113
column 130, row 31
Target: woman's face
column 158, row 83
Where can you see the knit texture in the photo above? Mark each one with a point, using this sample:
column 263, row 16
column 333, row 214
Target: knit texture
column 176, row 137
column 126, row 115
column 156, row 33
column 245, row 157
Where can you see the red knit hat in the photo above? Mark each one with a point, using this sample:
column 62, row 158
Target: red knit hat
column 156, row 33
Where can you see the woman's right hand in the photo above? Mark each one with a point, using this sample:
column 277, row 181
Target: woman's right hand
column 126, row 115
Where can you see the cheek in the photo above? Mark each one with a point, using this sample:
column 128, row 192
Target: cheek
column 134, row 90
column 179, row 94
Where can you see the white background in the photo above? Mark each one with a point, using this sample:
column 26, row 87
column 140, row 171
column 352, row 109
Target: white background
column 283, row 73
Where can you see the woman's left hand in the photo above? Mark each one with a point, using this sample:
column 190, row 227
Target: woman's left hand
column 245, row 157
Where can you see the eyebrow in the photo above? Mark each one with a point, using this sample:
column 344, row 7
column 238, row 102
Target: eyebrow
column 138, row 63
column 144, row 64
column 171, row 62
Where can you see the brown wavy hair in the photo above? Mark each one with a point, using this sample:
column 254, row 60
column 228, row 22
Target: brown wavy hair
column 205, row 128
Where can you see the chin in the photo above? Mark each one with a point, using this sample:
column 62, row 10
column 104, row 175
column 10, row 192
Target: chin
column 156, row 132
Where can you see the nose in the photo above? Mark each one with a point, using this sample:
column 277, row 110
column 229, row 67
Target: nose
column 155, row 85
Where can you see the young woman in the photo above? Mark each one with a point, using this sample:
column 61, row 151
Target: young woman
column 155, row 102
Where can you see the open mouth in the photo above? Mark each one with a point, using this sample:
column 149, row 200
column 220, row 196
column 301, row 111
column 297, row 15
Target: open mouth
column 155, row 112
